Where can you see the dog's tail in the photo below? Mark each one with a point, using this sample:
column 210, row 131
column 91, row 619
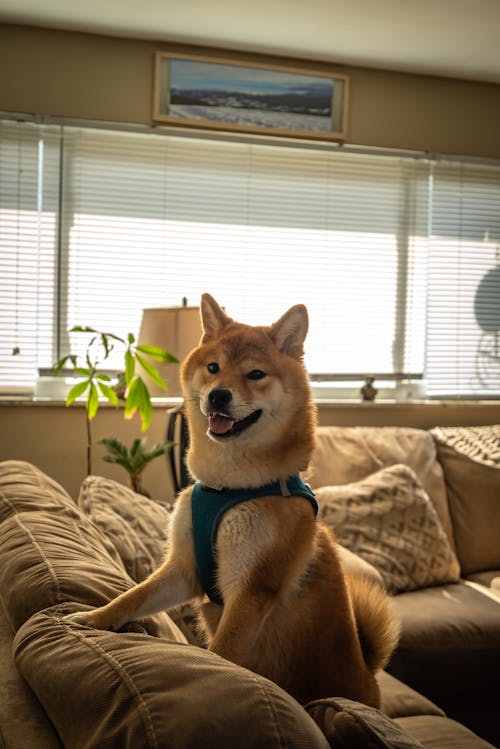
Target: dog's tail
column 378, row 626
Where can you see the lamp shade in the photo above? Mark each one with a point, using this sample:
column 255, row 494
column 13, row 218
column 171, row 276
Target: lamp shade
column 176, row 329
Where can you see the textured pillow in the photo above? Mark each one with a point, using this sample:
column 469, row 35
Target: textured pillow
column 471, row 463
column 128, row 690
column 52, row 553
column 348, row 724
column 389, row 520
column 344, row 455
column 137, row 529
column 137, row 526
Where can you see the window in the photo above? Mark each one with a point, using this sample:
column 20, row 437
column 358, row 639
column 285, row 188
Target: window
column 29, row 166
column 97, row 224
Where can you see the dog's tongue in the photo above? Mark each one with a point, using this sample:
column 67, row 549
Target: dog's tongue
column 219, row 424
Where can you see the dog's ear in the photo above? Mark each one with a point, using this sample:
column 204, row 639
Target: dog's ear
column 289, row 333
column 213, row 317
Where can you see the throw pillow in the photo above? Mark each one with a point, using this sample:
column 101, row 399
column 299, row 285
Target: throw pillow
column 471, row 462
column 137, row 529
column 344, row 455
column 136, row 526
column 389, row 520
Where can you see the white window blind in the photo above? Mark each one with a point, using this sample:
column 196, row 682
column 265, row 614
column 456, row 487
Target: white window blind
column 463, row 324
column 387, row 257
column 147, row 221
column 29, row 156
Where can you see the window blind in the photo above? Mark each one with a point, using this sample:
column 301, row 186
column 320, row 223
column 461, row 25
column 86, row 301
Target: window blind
column 29, row 165
column 463, row 308
column 387, row 252
column 147, row 221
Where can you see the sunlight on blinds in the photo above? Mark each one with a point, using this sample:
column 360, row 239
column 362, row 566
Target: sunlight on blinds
column 463, row 351
column 397, row 258
column 147, row 221
column 28, row 221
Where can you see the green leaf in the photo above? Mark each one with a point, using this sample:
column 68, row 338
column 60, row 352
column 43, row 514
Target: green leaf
column 129, row 366
column 60, row 364
column 92, row 401
column 82, row 329
column 83, row 371
column 106, row 345
column 76, row 391
column 137, row 445
column 138, row 400
column 157, row 353
column 109, row 393
column 131, row 338
column 152, row 372
column 114, row 446
column 115, row 337
column 103, row 377
column 132, row 398
column 145, row 409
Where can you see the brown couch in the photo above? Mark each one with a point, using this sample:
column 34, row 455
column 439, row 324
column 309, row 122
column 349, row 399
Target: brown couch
column 154, row 685
column 424, row 509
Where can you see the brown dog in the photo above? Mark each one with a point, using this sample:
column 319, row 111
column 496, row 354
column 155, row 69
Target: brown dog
column 288, row 612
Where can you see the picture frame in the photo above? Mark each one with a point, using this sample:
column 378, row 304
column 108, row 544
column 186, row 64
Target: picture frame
column 251, row 97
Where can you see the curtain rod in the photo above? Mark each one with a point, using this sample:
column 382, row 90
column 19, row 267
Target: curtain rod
column 252, row 139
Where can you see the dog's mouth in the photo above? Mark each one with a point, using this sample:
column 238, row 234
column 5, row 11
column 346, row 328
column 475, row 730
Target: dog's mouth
column 221, row 425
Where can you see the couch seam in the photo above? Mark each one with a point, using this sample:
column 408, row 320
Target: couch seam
column 122, row 673
column 270, row 707
column 52, row 573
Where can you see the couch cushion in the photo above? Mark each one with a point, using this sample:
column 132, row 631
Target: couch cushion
column 489, row 579
column 389, row 520
column 347, row 454
column 449, row 642
column 128, row 690
column 52, row 553
column 472, row 475
column 398, row 699
column 437, row 732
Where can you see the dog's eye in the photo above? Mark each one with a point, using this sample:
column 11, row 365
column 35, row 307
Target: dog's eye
column 213, row 367
column 256, row 374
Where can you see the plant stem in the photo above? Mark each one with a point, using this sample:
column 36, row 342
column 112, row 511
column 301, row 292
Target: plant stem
column 89, row 445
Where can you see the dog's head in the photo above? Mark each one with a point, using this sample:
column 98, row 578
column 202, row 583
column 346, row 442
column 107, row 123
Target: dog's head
column 246, row 388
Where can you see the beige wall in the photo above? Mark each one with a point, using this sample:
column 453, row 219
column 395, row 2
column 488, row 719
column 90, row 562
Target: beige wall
column 53, row 436
column 76, row 75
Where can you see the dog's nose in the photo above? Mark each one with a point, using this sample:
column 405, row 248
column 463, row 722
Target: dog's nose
column 219, row 398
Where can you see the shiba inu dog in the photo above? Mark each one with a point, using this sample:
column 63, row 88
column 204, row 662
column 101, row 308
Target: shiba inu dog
column 246, row 533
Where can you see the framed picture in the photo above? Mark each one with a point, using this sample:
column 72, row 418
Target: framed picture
column 227, row 94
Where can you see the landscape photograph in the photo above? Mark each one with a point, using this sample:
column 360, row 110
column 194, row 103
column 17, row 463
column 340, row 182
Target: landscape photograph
column 248, row 96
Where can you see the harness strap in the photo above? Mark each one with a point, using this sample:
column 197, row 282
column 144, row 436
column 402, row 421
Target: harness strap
column 208, row 507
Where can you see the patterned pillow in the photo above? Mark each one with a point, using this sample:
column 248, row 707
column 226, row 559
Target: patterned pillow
column 389, row 520
column 135, row 525
column 136, row 528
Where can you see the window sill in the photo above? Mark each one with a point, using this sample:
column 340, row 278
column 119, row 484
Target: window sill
column 349, row 403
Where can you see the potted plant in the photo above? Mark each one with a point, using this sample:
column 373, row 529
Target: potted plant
column 96, row 383
column 135, row 460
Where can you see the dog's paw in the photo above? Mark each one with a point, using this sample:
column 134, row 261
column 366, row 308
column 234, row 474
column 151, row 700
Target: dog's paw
column 89, row 619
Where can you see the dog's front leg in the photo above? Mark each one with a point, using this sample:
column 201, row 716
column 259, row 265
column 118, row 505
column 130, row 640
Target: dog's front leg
column 240, row 624
column 170, row 585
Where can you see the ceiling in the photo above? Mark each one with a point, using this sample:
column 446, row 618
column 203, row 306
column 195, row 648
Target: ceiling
column 457, row 38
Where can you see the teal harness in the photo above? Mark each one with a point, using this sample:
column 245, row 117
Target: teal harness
column 208, row 507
